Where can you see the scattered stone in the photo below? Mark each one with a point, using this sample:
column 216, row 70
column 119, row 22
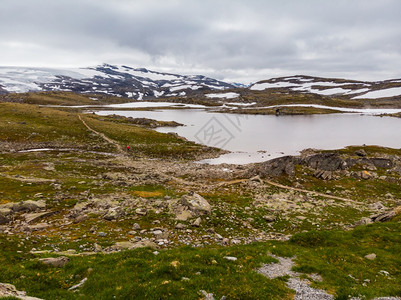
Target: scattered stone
column 325, row 175
column 232, row 258
column 269, row 218
column 9, row 290
column 361, row 153
column 377, row 206
column 77, row 286
column 180, row 226
column 136, row 226
column 102, row 234
column 57, row 262
column 5, row 216
column 81, row 218
column 114, row 213
column 206, row 295
column 175, row 263
column 29, row 205
column 371, row 256
column 383, row 217
column 364, row 221
column 141, row 211
column 197, row 222
column 97, row 248
column 33, row 217
column 131, row 245
column 155, row 252
column 183, row 215
column 256, row 179
column 36, row 227
column 196, row 203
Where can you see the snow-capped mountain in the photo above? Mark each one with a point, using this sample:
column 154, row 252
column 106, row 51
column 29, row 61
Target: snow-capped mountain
column 350, row 89
column 114, row 80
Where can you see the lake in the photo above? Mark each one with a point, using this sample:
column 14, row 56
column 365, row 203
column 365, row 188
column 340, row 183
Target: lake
column 255, row 138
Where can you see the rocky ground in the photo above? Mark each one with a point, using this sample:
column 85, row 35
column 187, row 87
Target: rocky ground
column 67, row 200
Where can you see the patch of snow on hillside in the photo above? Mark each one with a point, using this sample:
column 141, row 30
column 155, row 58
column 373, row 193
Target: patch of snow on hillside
column 150, row 75
column 390, row 92
column 158, row 94
column 268, row 85
column 329, row 92
column 359, row 91
column 224, row 95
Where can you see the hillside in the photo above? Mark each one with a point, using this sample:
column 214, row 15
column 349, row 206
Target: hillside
column 121, row 81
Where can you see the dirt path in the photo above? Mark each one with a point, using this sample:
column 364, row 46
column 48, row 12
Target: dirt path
column 186, row 183
column 109, row 140
column 312, row 192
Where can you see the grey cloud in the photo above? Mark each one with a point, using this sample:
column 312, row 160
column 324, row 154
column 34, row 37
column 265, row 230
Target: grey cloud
column 360, row 37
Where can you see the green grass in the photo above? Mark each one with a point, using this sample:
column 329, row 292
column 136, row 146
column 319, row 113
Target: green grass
column 338, row 256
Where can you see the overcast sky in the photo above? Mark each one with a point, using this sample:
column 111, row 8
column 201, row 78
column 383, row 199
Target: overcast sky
column 232, row 40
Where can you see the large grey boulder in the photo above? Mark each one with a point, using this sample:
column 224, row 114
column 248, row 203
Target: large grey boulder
column 275, row 167
column 29, row 205
column 196, row 203
column 57, row 262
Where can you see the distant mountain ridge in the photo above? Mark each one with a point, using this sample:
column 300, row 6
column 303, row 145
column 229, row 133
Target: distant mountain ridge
column 144, row 84
column 122, row 81
column 329, row 87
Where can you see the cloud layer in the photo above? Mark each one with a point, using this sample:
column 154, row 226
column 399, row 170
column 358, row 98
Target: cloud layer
column 233, row 40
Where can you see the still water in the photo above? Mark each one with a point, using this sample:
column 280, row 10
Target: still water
column 255, row 138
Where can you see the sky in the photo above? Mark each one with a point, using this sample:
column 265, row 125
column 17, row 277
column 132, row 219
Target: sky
column 233, row 40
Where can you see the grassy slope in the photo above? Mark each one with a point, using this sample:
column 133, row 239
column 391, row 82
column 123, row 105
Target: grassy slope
column 23, row 124
column 337, row 256
column 333, row 254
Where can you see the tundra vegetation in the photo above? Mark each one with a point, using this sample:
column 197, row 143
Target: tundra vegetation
column 151, row 223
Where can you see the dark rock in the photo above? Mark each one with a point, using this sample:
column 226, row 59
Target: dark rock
column 325, row 175
column 275, row 167
column 383, row 217
column 361, row 153
column 325, row 162
column 384, row 163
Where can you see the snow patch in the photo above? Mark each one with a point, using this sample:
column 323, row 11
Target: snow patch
column 390, row 92
column 223, row 95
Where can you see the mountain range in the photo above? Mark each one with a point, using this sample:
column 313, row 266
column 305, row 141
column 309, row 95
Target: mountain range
column 143, row 84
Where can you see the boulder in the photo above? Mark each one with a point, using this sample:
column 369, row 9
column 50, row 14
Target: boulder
column 127, row 245
column 384, row 163
column 361, row 153
column 113, row 213
column 5, row 216
column 383, row 217
column 9, row 290
column 197, row 204
column 269, row 218
column 275, row 167
column 325, row 175
column 33, row 217
column 57, row 262
column 29, row 205
column 370, row 256
column 196, row 222
column 326, row 162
